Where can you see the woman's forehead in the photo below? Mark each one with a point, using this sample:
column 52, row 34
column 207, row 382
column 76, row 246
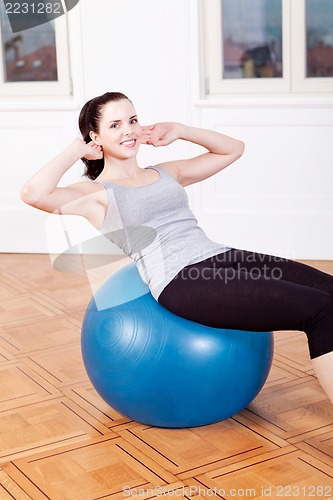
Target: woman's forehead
column 118, row 110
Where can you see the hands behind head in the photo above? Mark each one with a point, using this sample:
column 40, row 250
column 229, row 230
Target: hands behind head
column 161, row 134
column 90, row 150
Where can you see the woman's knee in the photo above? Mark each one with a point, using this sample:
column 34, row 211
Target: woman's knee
column 319, row 329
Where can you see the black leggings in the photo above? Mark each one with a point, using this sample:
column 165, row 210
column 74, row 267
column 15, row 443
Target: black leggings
column 245, row 290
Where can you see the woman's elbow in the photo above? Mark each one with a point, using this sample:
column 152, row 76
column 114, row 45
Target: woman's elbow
column 241, row 148
column 29, row 196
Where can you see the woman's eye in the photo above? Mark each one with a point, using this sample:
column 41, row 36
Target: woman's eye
column 114, row 125
column 135, row 120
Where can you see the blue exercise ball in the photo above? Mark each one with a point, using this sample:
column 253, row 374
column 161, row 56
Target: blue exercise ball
column 163, row 370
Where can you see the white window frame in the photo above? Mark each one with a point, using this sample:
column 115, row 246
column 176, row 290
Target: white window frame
column 293, row 78
column 301, row 83
column 61, row 87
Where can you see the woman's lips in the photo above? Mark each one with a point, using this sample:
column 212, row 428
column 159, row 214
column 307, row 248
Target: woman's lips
column 129, row 144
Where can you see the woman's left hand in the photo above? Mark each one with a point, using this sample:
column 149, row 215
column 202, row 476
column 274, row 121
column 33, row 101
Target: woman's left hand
column 161, row 134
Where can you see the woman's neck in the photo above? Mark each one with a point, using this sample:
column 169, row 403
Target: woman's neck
column 120, row 169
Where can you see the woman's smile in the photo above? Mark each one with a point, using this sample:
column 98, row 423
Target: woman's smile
column 129, row 143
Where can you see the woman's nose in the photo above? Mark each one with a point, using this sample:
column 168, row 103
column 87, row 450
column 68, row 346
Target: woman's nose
column 127, row 130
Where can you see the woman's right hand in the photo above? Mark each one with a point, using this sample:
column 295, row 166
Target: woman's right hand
column 90, row 150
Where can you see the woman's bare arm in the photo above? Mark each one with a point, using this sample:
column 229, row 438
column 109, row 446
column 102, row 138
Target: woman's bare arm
column 41, row 190
column 222, row 150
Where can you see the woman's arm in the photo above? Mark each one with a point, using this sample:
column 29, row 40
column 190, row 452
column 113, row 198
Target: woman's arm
column 223, row 150
column 41, row 190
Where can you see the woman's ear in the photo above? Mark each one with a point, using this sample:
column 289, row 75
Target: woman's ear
column 94, row 137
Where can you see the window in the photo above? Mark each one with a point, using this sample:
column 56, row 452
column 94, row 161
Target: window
column 252, row 39
column 319, row 38
column 30, row 62
column 255, row 46
column 312, row 48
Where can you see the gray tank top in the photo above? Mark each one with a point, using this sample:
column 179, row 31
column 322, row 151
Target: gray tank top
column 154, row 225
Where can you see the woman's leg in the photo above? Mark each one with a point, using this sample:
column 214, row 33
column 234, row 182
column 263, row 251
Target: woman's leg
column 230, row 297
column 298, row 273
column 323, row 367
column 271, row 266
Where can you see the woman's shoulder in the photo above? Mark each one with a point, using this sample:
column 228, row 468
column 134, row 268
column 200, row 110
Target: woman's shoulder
column 93, row 201
column 168, row 167
column 90, row 191
column 87, row 187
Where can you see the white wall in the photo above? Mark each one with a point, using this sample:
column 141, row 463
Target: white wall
column 277, row 198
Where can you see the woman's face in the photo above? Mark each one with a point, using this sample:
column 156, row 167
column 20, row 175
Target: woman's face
column 119, row 130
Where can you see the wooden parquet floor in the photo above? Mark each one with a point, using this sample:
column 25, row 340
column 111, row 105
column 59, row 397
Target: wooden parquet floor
column 59, row 440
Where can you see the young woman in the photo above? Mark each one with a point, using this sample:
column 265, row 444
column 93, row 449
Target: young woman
column 145, row 212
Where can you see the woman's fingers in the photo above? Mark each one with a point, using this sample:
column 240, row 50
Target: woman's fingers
column 146, row 137
column 146, row 134
column 147, row 127
column 93, row 151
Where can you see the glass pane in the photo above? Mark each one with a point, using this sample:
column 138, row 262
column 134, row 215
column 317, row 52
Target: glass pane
column 319, row 38
column 29, row 55
column 252, row 38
